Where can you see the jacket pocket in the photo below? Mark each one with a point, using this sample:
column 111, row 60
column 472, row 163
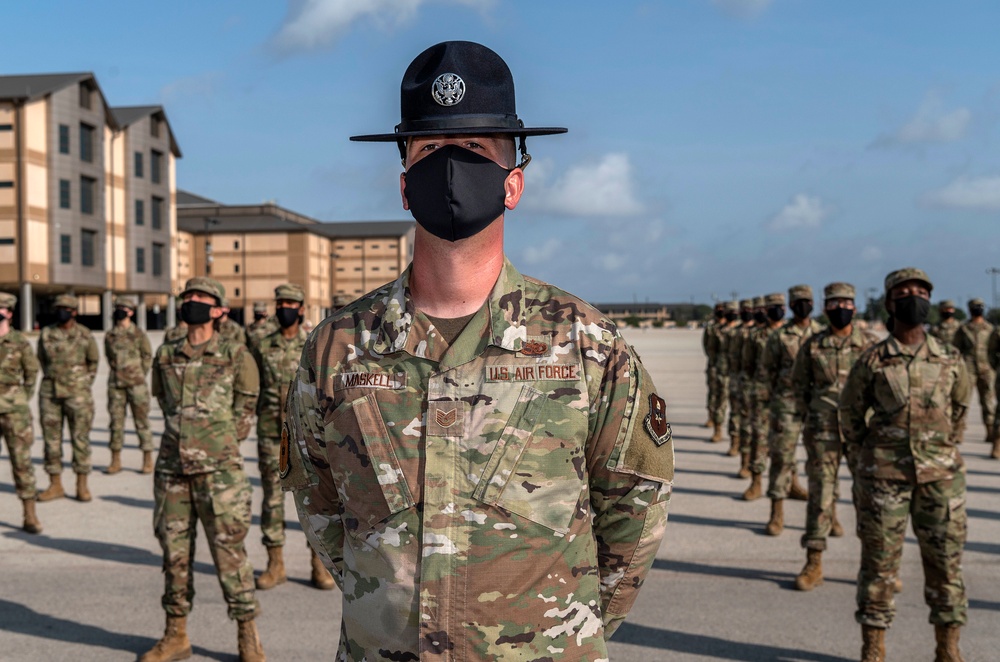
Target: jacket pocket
column 892, row 388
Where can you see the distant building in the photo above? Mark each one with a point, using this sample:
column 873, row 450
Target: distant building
column 644, row 313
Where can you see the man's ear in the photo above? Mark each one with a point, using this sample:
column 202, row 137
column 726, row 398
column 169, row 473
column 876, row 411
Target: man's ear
column 513, row 188
column 402, row 190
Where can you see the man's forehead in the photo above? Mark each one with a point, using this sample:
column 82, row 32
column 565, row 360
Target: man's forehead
column 910, row 284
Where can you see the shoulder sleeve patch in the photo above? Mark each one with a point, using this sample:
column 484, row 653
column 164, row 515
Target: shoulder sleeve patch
column 648, row 445
column 294, row 467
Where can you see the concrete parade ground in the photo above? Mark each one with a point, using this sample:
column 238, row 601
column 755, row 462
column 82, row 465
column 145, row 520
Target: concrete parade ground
column 89, row 587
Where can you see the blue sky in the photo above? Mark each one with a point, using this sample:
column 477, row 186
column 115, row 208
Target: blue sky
column 714, row 145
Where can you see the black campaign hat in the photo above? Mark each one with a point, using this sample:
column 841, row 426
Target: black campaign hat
column 457, row 87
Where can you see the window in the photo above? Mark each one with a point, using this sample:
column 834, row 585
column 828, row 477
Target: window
column 236, row 245
column 157, row 259
column 374, row 245
column 236, row 291
column 375, row 269
column 140, row 260
column 84, row 96
column 154, row 127
column 64, row 139
column 138, row 164
column 64, row 194
column 140, row 212
column 65, row 249
column 88, row 242
column 86, row 143
column 155, row 163
column 6, row 127
column 157, row 212
column 87, row 186
column 6, row 184
column 236, row 268
column 6, row 241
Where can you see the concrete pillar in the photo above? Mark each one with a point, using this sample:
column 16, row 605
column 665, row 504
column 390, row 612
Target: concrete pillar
column 171, row 311
column 140, row 313
column 107, row 307
column 27, row 303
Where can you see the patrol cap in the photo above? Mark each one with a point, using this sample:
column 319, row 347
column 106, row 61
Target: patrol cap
column 797, row 292
column 839, row 291
column 746, row 303
column 947, row 303
column 208, row 286
column 260, row 307
column 977, row 302
column 124, row 302
column 457, row 87
column 290, row 292
column 774, row 299
column 66, row 301
column 905, row 274
column 731, row 306
column 7, row 300
column 757, row 302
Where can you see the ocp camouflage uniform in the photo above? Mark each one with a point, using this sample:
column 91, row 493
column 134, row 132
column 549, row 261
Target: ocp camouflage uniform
column 208, row 395
column 232, row 332
column 68, row 359
column 908, row 464
column 946, row 329
column 717, row 371
column 734, row 352
column 176, row 332
column 993, row 356
column 501, row 497
column 758, row 393
column 18, row 372
column 972, row 340
column 129, row 356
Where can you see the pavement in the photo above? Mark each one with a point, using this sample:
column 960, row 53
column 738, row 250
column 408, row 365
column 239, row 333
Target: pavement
column 89, row 587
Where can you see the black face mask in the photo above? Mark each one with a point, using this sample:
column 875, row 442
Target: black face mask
column 977, row 311
column 776, row 313
column 840, row 317
column 259, row 316
column 760, row 317
column 64, row 315
column 288, row 316
column 746, row 315
column 119, row 314
column 196, row 312
column 912, row 310
column 947, row 314
column 720, row 315
column 455, row 193
column 731, row 316
column 802, row 308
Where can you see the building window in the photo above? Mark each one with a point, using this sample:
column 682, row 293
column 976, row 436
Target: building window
column 86, row 143
column 140, row 212
column 154, row 127
column 64, row 194
column 236, row 245
column 6, row 184
column 6, row 127
column 65, row 249
column 87, row 186
column 140, row 260
column 374, row 245
column 84, row 96
column 157, row 259
column 6, row 241
column 236, row 268
column 155, row 164
column 64, row 139
column 236, row 291
column 157, row 212
column 88, row 242
column 375, row 269
column 138, row 164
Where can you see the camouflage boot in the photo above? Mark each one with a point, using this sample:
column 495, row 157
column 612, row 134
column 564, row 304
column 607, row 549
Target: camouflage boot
column 836, row 529
column 321, row 577
column 872, row 644
column 947, row 644
column 777, row 522
column 116, row 463
column 708, row 422
column 174, row 645
column 248, row 641
column 275, row 573
column 31, row 523
column 147, row 462
column 82, row 492
column 717, row 435
column 753, row 492
column 734, row 447
column 996, row 446
column 812, row 573
column 55, row 489
column 796, row 492
column 744, row 471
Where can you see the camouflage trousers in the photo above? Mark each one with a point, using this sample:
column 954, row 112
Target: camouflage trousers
column 735, row 406
column 221, row 500
column 759, row 417
column 15, row 426
column 78, row 412
column 718, row 396
column 136, row 397
column 783, row 435
column 272, row 513
column 940, row 525
column 983, row 381
column 823, row 454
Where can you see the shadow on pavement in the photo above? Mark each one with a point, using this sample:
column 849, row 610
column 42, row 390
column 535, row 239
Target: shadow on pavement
column 984, row 514
column 984, row 604
column 722, row 649
column 696, row 520
column 785, row 580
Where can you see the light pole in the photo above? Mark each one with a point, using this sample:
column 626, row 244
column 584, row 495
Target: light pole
column 993, row 271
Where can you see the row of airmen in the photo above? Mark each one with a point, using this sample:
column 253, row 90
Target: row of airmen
column 893, row 409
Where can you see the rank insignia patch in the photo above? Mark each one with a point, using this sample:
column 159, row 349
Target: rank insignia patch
column 446, row 418
column 656, row 420
column 283, row 453
column 534, row 348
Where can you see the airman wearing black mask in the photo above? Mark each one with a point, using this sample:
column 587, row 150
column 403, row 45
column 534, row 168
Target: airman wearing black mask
column 739, row 414
column 972, row 340
column 946, row 329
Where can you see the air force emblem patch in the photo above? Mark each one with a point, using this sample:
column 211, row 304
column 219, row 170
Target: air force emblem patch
column 283, row 451
column 656, row 420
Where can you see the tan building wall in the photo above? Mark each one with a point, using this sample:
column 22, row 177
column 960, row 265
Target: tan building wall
column 363, row 264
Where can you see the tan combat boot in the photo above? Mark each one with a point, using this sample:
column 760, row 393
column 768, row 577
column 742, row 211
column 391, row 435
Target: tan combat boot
column 708, row 422
column 753, row 492
column 836, row 529
column 249, row 641
column 734, row 447
column 776, row 524
column 82, row 492
column 796, row 492
column 872, row 644
column 321, row 577
column 55, row 489
column 717, row 435
column 897, row 585
column 744, row 471
column 116, row 463
column 147, row 462
column 996, row 446
column 31, row 523
column 947, row 644
column 275, row 573
column 174, row 645
column 812, row 573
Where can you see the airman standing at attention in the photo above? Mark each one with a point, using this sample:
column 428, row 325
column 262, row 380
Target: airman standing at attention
column 972, row 340
column 738, row 403
column 713, row 344
column 68, row 356
column 263, row 325
column 229, row 329
column 130, row 356
column 758, row 389
column 725, row 372
column 176, row 332
column 946, row 329
column 993, row 356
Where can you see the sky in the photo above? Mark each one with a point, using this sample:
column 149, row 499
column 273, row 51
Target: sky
column 714, row 146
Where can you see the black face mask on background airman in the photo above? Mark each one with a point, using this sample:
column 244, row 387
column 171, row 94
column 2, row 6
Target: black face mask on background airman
column 840, row 317
column 455, row 193
column 977, row 311
column 731, row 316
column 64, row 315
column 802, row 308
column 746, row 315
column 911, row 310
column 119, row 314
column 947, row 314
column 760, row 317
column 288, row 316
column 776, row 313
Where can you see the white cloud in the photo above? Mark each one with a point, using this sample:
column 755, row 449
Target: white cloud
column 931, row 124
column 871, row 253
column 688, row 266
column 802, row 211
column 543, row 253
column 613, row 261
column 742, row 8
column 978, row 193
column 605, row 188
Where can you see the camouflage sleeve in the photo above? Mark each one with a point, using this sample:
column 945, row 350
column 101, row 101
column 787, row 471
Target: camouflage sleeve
column 93, row 357
column 43, row 361
column 769, row 363
column 961, row 393
column 145, row 353
column 246, row 389
column 108, row 354
column 29, row 369
column 855, row 400
column 156, row 382
column 631, row 466
column 993, row 349
column 802, row 378
column 961, row 341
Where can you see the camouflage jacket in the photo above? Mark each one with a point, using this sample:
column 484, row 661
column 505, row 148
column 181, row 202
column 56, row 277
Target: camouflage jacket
column 278, row 360
column 231, row 331
column 176, row 332
column 972, row 339
column 712, row 342
column 993, row 350
column 753, row 352
column 259, row 329
column 208, row 396
column 68, row 359
column 778, row 358
column 129, row 356
column 498, row 498
column 820, row 371
column 18, row 371
column 918, row 397
column 946, row 330
column 736, row 335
